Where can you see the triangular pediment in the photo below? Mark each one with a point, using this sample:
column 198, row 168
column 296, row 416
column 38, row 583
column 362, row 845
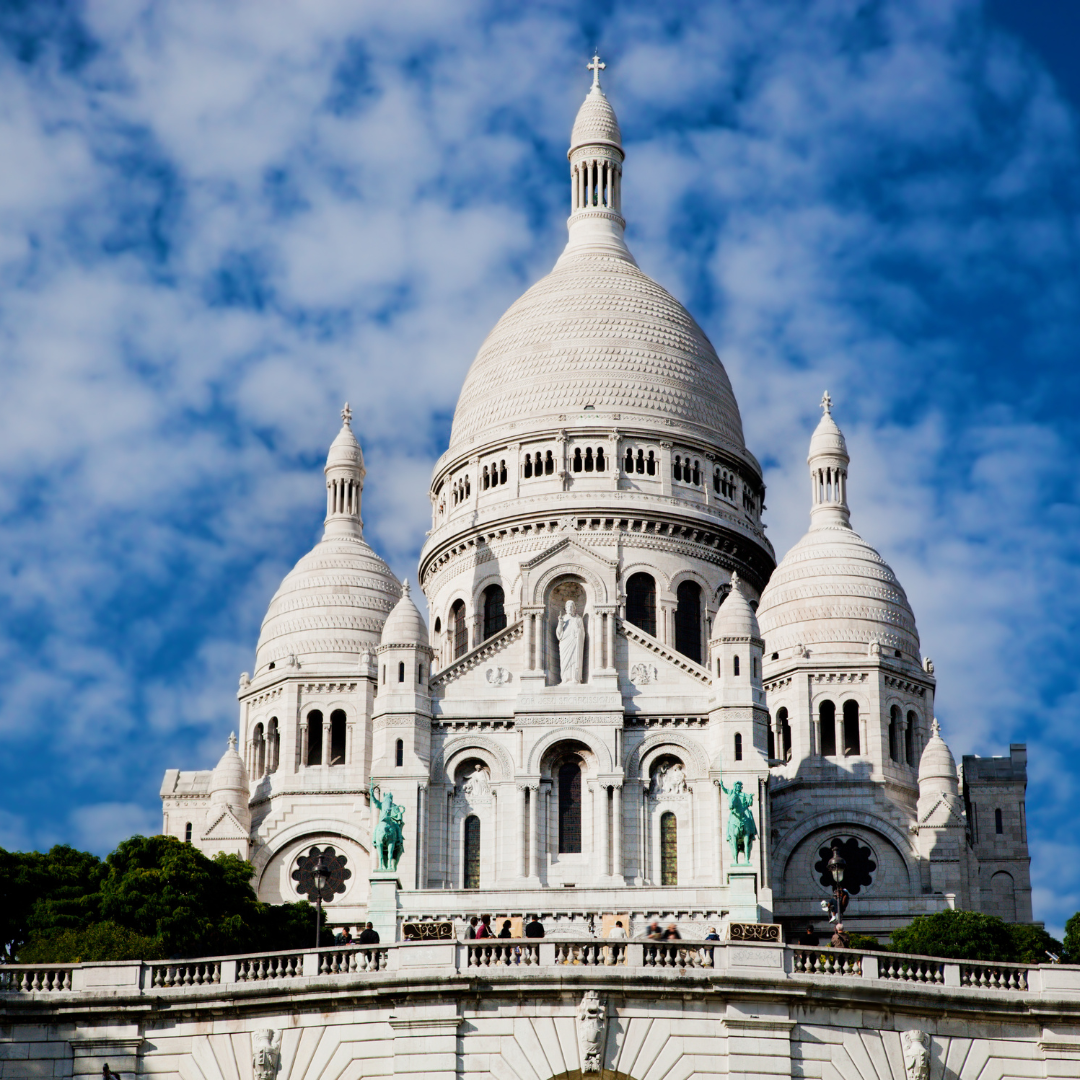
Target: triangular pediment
column 226, row 827
column 564, row 547
column 568, row 555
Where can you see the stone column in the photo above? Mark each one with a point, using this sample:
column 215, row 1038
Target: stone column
column 720, row 833
column 448, row 878
column 616, row 831
column 601, row 823
column 350, row 731
column 303, row 741
column 530, row 641
column 522, row 867
column 325, row 756
column 534, row 831
column 421, row 836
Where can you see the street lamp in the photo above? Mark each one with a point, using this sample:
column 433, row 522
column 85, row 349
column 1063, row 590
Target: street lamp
column 320, row 875
column 837, row 864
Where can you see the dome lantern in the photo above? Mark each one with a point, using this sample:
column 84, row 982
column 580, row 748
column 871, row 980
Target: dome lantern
column 828, row 460
column 345, row 474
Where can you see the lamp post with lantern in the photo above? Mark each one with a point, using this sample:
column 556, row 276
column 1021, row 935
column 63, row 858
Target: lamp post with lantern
column 837, row 864
column 320, row 876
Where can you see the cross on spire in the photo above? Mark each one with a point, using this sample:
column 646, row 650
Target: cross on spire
column 232, row 740
column 826, row 404
column 346, row 415
column 596, row 67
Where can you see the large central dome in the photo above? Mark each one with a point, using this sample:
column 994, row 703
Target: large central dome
column 597, row 332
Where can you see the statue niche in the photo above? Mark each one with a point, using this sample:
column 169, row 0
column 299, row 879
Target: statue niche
column 568, row 634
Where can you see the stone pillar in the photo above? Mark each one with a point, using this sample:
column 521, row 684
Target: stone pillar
column 448, row 878
column 720, row 833
column 534, row 831
column 350, row 733
column 522, row 867
column 617, row 837
column 421, row 836
column 383, row 904
column 325, row 756
column 303, row 741
column 601, row 824
column 530, row 641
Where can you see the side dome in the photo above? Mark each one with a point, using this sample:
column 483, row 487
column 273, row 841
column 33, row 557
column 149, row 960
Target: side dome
column 331, row 607
column 832, row 592
column 735, row 617
column 937, row 762
column 229, row 781
column 405, row 625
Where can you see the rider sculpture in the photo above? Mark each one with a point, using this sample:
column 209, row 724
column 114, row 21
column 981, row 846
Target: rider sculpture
column 741, row 829
column 389, row 836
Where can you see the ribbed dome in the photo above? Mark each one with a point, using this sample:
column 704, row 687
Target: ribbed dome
column 735, row 617
column 827, row 439
column 596, row 122
column 345, row 450
column 835, row 594
column 405, row 625
column 937, row 762
column 597, row 331
column 228, row 781
column 330, row 608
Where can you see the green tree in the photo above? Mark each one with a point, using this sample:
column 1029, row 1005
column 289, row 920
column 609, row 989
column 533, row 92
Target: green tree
column 1030, row 944
column 45, row 892
column 99, row 941
column 1071, row 945
column 958, row 935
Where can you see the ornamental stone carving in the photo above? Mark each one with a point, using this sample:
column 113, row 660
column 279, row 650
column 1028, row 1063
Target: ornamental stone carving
column 265, row 1053
column 916, row 1055
column 644, row 674
column 570, row 633
column 477, row 786
column 592, row 1022
column 669, row 778
column 497, row 676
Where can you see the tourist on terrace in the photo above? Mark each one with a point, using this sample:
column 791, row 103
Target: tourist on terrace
column 840, row 940
column 672, row 933
column 470, row 929
column 369, row 935
column 535, row 928
column 712, row 935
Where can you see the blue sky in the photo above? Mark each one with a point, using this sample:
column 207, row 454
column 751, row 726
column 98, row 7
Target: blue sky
column 217, row 222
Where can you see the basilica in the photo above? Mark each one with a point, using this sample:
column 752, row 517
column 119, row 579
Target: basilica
column 620, row 706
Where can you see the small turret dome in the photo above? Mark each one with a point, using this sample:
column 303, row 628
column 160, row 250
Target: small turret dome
column 596, row 121
column 937, row 766
column 228, row 781
column 405, row 625
column 827, row 440
column 735, row 617
column 345, row 451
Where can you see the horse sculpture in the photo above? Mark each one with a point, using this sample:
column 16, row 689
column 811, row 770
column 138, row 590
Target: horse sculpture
column 741, row 828
column 389, row 836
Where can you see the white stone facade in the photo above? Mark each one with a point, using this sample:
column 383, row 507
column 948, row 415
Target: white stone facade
column 578, row 763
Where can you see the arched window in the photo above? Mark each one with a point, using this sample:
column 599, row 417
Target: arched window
column 676, row 467
column 1003, row 890
column 669, row 849
column 314, row 737
column 438, row 625
column 628, row 464
column 337, row 737
column 399, row 753
column 999, row 824
column 641, row 602
column 459, row 630
column 494, row 610
column 187, row 833
column 471, row 853
column 827, row 724
column 528, row 466
column 589, row 464
column 486, row 480
column 258, row 752
column 570, row 808
column 738, row 746
column 785, row 734
column 735, row 666
column 851, row 727
column 502, row 472
column 401, row 671
column 697, row 473
column 599, row 459
column 273, row 745
column 716, row 481
column 650, row 464
column 910, row 737
column 688, row 620
column 894, row 733
column 419, row 674
column 577, row 464
column 549, row 464
column 641, row 461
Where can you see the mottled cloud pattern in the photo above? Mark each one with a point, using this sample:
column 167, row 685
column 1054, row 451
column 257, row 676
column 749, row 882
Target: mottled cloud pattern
column 218, row 221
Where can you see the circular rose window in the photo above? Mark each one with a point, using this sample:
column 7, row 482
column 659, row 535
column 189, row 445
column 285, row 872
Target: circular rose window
column 336, row 874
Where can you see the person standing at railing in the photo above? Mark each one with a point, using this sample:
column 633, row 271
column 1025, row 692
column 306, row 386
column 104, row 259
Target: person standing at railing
column 470, row 929
column 617, row 933
column 840, row 940
column 535, row 928
column 369, row 935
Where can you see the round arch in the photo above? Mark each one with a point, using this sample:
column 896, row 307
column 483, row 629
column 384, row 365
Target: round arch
column 463, row 744
column 839, row 819
column 570, row 734
column 318, row 829
column 695, row 757
column 592, row 579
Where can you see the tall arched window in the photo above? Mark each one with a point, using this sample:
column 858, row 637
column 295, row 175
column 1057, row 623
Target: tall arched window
column 827, row 724
column 851, row 727
column 999, row 824
column 401, row 671
column 337, row 737
column 910, row 737
column 399, row 753
column 314, row 737
column 688, row 620
column 570, row 808
column 669, row 849
column 785, row 734
column 471, row 854
column 738, row 746
column 894, row 733
column 641, row 602
column 1003, row 890
column 187, row 833
column 459, row 630
column 273, row 745
column 735, row 665
column 258, row 752
column 494, row 600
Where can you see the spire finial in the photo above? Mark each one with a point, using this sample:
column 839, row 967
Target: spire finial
column 232, row 740
column 405, row 587
column 596, row 67
column 346, row 416
column 935, row 728
column 826, row 404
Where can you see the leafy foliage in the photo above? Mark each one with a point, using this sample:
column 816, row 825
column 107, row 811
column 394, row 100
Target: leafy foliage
column 153, row 897
column 866, row 942
column 1071, row 945
column 969, row 935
